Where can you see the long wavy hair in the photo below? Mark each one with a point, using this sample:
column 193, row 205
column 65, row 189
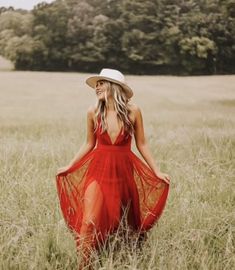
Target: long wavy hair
column 120, row 105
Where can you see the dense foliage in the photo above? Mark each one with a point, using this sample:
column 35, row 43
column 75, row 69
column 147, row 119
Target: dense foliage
column 136, row 36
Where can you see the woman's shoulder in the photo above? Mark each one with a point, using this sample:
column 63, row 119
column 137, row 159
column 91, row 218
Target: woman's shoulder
column 134, row 112
column 91, row 110
column 133, row 107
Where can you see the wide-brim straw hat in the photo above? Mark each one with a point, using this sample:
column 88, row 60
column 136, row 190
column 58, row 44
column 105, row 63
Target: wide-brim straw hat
column 111, row 75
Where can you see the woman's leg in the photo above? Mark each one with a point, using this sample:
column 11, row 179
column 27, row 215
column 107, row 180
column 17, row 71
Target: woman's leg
column 93, row 199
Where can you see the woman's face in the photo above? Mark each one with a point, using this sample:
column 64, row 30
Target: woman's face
column 100, row 89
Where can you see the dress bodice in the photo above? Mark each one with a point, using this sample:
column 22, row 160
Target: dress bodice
column 122, row 139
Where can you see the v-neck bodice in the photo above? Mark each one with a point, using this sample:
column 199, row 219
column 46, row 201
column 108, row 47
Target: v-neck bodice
column 103, row 138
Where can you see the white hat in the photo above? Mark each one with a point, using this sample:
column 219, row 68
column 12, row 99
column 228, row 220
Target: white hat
column 111, row 75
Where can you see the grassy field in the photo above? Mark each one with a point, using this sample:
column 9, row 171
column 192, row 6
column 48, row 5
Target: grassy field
column 190, row 126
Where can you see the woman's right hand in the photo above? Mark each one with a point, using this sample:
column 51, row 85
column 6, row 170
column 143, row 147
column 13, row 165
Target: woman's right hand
column 63, row 169
column 163, row 176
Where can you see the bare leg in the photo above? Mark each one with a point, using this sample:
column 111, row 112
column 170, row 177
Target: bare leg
column 93, row 200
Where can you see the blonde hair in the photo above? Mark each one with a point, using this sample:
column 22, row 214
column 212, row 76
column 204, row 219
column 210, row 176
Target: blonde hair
column 120, row 105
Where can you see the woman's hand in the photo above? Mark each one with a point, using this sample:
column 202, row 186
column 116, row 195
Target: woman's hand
column 63, row 169
column 163, row 176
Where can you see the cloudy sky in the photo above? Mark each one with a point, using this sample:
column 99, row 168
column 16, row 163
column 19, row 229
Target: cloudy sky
column 25, row 4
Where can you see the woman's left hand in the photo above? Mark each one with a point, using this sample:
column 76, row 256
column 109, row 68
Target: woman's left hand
column 163, row 176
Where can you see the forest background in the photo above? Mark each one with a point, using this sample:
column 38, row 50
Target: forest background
column 180, row 37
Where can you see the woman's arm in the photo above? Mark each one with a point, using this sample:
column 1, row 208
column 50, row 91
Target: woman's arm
column 89, row 143
column 142, row 145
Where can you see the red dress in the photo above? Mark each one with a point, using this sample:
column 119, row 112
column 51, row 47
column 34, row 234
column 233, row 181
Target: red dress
column 111, row 176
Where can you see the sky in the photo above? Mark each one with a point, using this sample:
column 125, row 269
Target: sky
column 24, row 4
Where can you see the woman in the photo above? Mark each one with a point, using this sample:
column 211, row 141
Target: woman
column 105, row 177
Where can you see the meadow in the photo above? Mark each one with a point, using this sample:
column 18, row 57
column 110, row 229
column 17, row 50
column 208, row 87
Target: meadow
column 190, row 127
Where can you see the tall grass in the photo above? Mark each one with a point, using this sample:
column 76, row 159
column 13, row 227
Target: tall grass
column 189, row 123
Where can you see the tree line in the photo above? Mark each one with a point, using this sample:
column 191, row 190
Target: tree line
column 136, row 36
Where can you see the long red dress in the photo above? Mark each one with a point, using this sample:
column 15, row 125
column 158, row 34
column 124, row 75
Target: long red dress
column 112, row 177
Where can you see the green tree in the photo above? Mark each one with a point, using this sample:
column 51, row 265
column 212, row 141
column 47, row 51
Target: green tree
column 137, row 36
column 198, row 54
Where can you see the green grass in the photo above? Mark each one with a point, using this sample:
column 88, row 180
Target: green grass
column 190, row 126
